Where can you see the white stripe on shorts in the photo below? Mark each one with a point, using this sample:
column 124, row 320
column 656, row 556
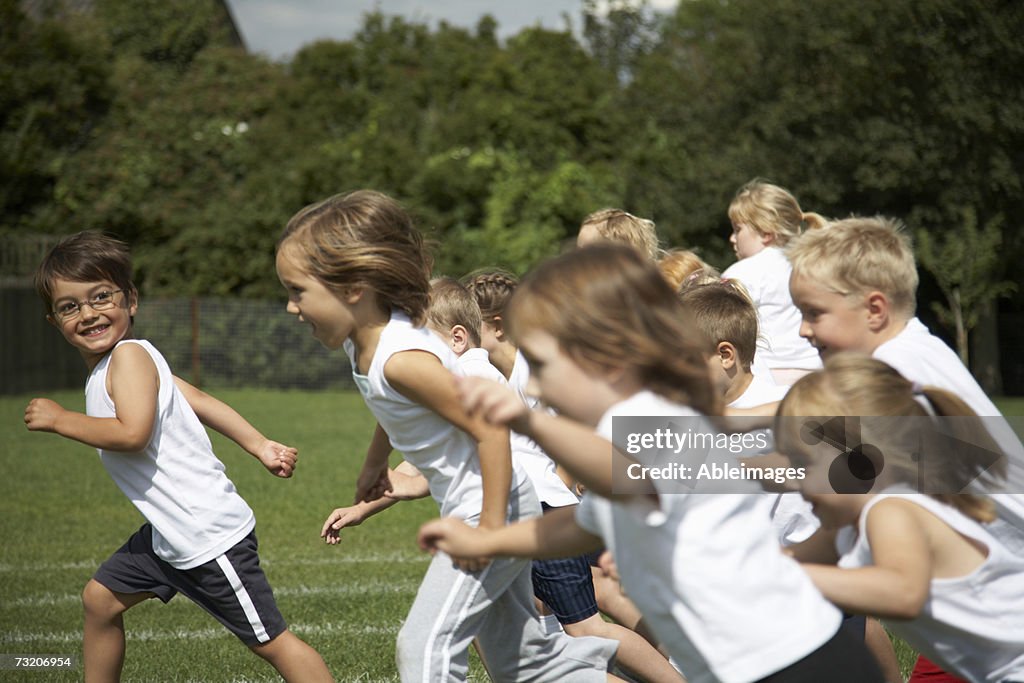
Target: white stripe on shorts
column 243, row 598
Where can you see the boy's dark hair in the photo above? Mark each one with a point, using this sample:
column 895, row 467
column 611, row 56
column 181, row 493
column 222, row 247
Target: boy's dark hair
column 724, row 313
column 451, row 304
column 85, row 257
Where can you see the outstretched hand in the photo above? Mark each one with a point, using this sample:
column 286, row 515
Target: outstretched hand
column 280, row 460
column 338, row 520
column 457, row 539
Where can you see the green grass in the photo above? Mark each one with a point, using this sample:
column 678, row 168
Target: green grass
column 61, row 516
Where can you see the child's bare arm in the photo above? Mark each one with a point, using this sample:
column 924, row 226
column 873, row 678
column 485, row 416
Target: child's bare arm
column 898, row 583
column 134, row 386
column 586, row 456
column 219, row 416
column 420, row 377
column 553, row 535
column 373, row 481
column 406, row 484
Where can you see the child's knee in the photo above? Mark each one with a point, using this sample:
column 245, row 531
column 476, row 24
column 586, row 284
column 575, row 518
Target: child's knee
column 99, row 601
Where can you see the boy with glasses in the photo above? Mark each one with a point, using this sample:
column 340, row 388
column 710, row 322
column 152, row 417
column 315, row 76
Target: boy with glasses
column 147, row 425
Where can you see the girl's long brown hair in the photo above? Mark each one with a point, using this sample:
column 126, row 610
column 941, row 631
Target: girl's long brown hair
column 364, row 238
column 608, row 306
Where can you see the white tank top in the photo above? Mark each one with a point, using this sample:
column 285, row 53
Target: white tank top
column 443, row 453
column 539, row 467
column 970, row 625
column 176, row 481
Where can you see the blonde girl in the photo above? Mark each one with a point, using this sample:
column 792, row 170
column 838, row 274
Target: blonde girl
column 925, row 564
column 765, row 217
column 356, row 271
column 620, row 227
column 607, row 337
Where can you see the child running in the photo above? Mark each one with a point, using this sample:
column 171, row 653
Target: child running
column 356, row 271
column 765, row 218
column 923, row 563
column 565, row 585
column 607, row 338
column 199, row 536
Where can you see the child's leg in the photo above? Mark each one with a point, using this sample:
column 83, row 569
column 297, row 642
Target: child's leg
column 445, row 617
column 879, row 644
column 294, row 659
column 635, row 655
column 103, row 642
column 567, row 588
column 514, row 647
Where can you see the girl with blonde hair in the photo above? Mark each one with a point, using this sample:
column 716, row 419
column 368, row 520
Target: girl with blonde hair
column 765, row 217
column 902, row 543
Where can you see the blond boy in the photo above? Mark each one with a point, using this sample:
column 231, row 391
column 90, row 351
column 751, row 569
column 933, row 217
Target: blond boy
column 854, row 282
column 620, row 227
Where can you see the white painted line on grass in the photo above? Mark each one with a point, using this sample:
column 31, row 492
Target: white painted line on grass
column 341, row 588
column 329, row 629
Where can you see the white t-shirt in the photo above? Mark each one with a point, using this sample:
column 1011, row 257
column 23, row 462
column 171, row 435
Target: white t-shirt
column 176, row 481
column 921, row 357
column 540, row 468
column 765, row 275
column 761, row 391
column 971, row 625
column 443, row 453
column 792, row 517
column 707, row 573
column 477, row 363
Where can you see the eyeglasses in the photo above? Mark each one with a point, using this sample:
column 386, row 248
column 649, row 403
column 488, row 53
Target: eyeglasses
column 100, row 301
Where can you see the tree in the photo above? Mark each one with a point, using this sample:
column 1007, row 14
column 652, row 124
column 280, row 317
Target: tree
column 56, row 89
column 962, row 264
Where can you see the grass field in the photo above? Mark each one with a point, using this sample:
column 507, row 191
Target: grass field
column 61, row 516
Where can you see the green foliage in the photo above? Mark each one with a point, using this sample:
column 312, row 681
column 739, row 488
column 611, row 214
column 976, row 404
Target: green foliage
column 962, row 263
column 198, row 154
column 54, row 88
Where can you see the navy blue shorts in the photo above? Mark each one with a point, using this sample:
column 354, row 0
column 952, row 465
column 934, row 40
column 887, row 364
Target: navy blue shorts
column 842, row 659
column 566, row 586
column 231, row 587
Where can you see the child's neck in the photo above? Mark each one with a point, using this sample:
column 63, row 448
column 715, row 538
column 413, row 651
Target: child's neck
column 503, row 358
column 739, row 381
column 887, row 332
column 370, row 323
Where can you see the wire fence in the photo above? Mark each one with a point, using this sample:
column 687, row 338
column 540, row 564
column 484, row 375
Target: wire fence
column 215, row 343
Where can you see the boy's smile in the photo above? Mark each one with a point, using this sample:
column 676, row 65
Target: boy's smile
column 832, row 322
column 93, row 332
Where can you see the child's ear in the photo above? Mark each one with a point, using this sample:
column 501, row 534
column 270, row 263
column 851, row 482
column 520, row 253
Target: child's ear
column 459, row 340
column 352, row 294
column 499, row 328
column 727, row 354
column 878, row 310
column 133, row 302
column 767, row 239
